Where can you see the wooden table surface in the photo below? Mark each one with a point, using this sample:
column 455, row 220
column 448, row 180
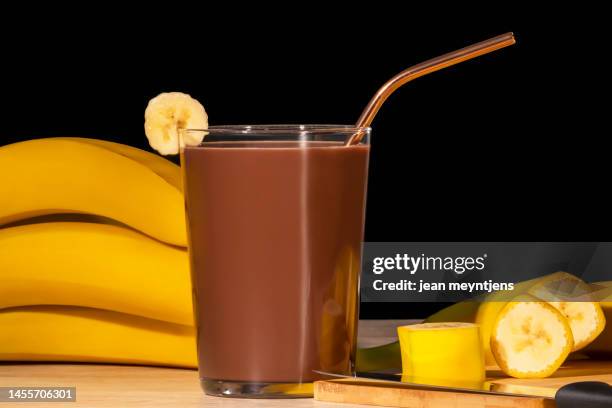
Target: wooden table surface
column 132, row 386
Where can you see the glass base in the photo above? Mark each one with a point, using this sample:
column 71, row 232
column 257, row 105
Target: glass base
column 242, row 389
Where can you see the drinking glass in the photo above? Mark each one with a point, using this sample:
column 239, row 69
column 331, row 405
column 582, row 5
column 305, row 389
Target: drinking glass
column 275, row 215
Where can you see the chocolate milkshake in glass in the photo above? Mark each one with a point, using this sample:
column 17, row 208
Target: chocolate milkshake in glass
column 275, row 218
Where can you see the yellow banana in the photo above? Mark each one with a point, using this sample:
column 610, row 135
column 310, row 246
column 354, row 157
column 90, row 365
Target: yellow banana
column 64, row 333
column 162, row 167
column 49, row 176
column 94, row 265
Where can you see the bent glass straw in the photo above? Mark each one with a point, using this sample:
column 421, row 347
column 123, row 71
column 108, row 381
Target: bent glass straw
column 424, row 68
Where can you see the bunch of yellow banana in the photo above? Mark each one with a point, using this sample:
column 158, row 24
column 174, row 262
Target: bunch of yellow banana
column 114, row 288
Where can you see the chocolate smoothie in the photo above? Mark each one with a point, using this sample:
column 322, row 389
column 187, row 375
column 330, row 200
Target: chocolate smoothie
column 275, row 233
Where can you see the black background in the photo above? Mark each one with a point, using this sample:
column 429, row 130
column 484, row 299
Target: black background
column 501, row 148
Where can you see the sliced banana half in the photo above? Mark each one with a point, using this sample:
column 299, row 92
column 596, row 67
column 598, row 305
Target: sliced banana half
column 530, row 338
column 166, row 114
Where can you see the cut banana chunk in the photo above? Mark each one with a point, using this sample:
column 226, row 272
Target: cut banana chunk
column 586, row 320
column 530, row 339
column 432, row 352
column 169, row 112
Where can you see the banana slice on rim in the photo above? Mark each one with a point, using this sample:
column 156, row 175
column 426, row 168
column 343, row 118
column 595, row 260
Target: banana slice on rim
column 166, row 114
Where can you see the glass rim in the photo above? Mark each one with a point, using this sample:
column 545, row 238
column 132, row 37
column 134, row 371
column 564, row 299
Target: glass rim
column 298, row 129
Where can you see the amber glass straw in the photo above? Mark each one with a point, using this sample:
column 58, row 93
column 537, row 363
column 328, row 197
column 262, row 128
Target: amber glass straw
column 424, row 68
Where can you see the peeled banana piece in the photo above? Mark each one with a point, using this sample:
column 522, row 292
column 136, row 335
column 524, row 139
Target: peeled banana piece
column 64, row 333
column 94, row 265
column 49, row 176
column 530, row 338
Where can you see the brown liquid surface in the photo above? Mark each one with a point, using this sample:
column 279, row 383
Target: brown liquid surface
column 275, row 244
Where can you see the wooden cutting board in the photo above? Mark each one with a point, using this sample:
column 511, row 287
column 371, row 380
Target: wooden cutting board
column 373, row 392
